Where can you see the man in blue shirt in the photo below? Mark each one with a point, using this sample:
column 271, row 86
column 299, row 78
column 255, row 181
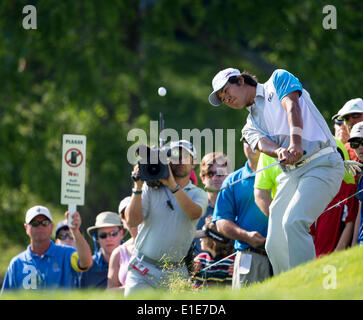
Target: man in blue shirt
column 238, row 217
column 45, row 265
column 284, row 123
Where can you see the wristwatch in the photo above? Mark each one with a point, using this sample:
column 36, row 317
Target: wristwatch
column 177, row 188
column 135, row 191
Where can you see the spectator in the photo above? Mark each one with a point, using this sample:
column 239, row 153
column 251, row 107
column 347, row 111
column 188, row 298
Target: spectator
column 107, row 234
column 213, row 169
column 167, row 219
column 238, row 217
column 215, row 247
column 63, row 236
column 45, row 265
column 351, row 113
column 284, row 123
column 356, row 143
column 120, row 257
column 341, row 131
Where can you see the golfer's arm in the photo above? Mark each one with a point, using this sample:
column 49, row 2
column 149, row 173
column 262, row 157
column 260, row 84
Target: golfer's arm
column 268, row 147
column 294, row 117
column 263, row 199
column 231, row 230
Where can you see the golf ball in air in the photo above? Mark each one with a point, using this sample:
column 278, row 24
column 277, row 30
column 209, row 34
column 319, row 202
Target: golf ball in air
column 162, row 91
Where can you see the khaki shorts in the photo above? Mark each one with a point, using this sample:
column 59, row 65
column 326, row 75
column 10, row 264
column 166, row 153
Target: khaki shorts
column 257, row 270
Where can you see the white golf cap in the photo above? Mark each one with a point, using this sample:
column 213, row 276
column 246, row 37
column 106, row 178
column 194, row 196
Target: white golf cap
column 36, row 211
column 352, row 106
column 185, row 145
column 219, row 81
column 105, row 219
column 123, row 204
column 357, row 131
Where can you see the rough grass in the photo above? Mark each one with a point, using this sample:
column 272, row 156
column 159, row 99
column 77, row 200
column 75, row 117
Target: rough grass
column 337, row 276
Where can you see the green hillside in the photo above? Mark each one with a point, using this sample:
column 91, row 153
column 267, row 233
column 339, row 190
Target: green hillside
column 337, row 276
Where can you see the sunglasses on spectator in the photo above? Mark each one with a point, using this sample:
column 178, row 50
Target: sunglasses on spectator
column 352, row 115
column 36, row 223
column 104, row 235
column 356, row 144
column 211, row 174
column 64, row 236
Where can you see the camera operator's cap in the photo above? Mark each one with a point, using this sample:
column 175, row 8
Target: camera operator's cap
column 185, row 145
column 36, row 211
column 123, row 204
column 61, row 225
column 357, row 131
column 352, row 106
column 105, row 219
column 218, row 82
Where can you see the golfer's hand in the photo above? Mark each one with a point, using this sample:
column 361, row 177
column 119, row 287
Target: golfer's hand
column 296, row 151
column 255, row 239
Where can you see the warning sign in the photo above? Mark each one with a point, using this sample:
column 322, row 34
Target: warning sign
column 73, row 169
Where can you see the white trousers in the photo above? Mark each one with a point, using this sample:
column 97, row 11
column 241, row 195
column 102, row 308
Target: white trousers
column 301, row 198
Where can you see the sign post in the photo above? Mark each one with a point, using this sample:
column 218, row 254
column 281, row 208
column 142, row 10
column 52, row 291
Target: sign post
column 73, row 173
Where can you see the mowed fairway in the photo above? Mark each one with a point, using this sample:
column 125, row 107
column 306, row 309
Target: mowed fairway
column 337, row 276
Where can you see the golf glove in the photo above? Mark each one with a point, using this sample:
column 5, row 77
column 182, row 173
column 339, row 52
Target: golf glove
column 352, row 166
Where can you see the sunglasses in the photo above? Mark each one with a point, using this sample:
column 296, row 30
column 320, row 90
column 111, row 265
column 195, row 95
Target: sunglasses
column 104, row 235
column 64, row 236
column 356, row 144
column 44, row 223
column 352, row 115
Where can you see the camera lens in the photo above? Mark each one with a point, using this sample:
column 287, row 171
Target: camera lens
column 153, row 169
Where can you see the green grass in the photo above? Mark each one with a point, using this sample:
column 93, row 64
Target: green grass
column 308, row 281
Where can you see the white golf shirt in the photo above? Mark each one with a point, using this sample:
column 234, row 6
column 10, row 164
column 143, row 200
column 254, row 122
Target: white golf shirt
column 268, row 118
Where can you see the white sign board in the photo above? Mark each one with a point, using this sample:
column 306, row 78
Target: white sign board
column 73, row 169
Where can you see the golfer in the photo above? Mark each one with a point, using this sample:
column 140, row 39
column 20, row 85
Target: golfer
column 284, row 123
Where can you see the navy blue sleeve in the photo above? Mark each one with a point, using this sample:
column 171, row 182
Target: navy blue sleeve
column 285, row 83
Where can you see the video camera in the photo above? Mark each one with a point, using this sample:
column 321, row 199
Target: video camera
column 154, row 161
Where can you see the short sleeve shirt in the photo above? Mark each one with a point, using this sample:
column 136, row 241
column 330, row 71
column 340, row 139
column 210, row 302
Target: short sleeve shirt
column 268, row 118
column 237, row 204
column 166, row 230
column 57, row 268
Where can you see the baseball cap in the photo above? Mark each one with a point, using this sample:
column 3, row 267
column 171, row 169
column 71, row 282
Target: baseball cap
column 357, row 131
column 105, row 219
column 218, row 82
column 188, row 146
column 123, row 204
column 36, row 211
column 352, row 106
column 61, row 225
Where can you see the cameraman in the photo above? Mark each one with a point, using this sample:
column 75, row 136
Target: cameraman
column 167, row 217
